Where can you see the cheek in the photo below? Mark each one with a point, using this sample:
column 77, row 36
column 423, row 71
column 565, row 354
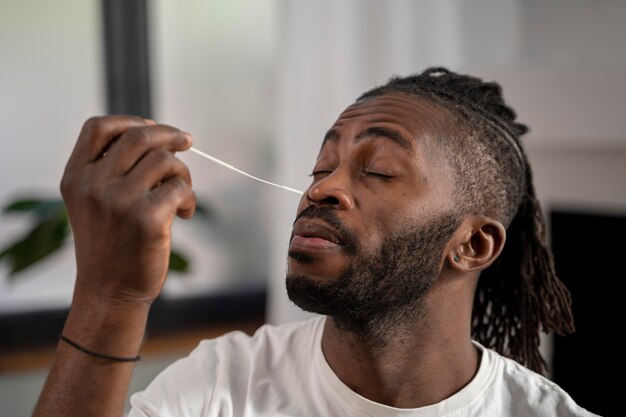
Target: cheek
column 378, row 228
column 392, row 220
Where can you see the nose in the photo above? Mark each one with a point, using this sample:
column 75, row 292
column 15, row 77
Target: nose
column 333, row 190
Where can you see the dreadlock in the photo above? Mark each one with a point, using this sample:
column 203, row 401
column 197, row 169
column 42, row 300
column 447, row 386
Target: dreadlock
column 519, row 294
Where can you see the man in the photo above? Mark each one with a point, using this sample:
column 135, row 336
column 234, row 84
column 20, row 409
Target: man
column 415, row 190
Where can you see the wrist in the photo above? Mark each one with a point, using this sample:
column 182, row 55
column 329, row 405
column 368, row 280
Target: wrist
column 120, row 291
column 108, row 325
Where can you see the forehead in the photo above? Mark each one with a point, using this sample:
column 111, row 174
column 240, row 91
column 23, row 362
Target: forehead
column 411, row 117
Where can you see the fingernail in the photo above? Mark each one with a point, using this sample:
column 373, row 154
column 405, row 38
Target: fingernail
column 150, row 122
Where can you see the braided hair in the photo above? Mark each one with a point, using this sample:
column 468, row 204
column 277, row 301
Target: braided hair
column 519, row 294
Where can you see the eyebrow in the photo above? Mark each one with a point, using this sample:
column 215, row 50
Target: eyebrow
column 372, row 132
column 330, row 136
column 384, row 132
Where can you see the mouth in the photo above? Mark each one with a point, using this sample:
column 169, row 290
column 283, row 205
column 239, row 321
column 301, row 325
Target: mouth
column 309, row 235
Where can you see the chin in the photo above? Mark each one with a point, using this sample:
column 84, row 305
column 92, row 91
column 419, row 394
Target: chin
column 308, row 278
column 310, row 293
column 313, row 269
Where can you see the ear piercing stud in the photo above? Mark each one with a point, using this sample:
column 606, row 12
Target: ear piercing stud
column 456, row 258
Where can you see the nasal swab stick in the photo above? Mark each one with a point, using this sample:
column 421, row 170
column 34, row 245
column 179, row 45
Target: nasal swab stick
column 232, row 168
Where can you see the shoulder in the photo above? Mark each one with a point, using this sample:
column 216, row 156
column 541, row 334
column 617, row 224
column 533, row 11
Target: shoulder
column 271, row 334
column 239, row 350
column 222, row 369
column 267, row 341
column 528, row 393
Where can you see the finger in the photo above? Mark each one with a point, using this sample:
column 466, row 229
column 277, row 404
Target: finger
column 136, row 142
column 98, row 133
column 156, row 167
column 175, row 196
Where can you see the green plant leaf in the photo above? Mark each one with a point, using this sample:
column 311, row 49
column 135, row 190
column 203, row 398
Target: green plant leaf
column 178, row 262
column 41, row 208
column 22, row 205
column 45, row 238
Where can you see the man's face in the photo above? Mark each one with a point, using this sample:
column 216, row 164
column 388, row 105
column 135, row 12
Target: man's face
column 372, row 226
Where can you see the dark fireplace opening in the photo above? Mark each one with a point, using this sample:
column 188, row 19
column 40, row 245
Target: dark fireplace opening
column 590, row 257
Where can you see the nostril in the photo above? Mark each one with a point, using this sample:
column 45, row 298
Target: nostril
column 331, row 200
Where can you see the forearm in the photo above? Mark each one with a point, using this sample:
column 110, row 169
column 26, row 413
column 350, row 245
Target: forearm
column 83, row 385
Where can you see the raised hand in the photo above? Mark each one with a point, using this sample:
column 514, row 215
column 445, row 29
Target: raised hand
column 122, row 187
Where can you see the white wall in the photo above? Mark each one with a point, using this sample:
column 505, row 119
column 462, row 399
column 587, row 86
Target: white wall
column 212, row 66
column 562, row 65
column 51, row 80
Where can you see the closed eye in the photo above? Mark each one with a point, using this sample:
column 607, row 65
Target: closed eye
column 314, row 173
column 378, row 174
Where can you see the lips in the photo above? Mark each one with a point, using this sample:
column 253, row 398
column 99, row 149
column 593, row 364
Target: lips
column 310, row 234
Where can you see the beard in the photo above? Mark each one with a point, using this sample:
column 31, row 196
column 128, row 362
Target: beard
column 379, row 292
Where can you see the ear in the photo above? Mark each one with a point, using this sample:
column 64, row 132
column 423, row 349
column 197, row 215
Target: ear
column 476, row 244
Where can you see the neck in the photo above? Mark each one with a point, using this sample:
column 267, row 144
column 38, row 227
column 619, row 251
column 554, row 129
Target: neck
column 407, row 359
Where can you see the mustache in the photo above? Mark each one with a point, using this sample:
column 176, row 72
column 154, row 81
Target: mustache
column 329, row 215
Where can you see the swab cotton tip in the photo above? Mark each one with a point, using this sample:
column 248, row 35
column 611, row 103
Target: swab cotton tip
column 232, row 168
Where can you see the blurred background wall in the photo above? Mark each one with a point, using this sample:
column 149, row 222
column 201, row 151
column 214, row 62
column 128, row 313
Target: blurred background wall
column 51, row 80
column 258, row 84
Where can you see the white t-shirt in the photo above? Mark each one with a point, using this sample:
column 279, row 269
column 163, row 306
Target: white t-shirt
column 281, row 371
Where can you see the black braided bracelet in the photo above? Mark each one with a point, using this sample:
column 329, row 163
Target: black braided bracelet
column 96, row 354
